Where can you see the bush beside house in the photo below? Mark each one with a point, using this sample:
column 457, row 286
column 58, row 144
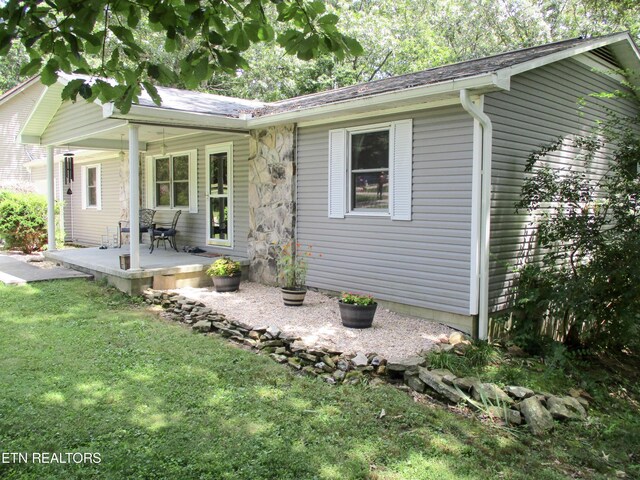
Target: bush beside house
column 23, row 221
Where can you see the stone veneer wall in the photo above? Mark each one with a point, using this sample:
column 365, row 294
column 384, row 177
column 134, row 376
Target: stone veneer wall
column 272, row 195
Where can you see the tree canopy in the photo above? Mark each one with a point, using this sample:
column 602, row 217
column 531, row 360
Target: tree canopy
column 275, row 49
column 105, row 39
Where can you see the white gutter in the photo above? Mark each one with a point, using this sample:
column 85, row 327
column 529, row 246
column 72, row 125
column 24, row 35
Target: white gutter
column 485, row 207
column 380, row 101
column 142, row 114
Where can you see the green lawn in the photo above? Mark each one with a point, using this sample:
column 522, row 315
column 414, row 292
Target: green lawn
column 82, row 369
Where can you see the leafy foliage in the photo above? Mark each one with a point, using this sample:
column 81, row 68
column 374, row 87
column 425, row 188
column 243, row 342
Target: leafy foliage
column 23, row 220
column 588, row 226
column 292, row 265
column 357, row 299
column 101, row 38
column 224, row 267
column 402, row 36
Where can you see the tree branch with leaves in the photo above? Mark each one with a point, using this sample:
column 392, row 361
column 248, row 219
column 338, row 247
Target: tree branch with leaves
column 100, row 39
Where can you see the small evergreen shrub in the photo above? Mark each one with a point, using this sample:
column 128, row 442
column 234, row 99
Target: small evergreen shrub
column 23, row 221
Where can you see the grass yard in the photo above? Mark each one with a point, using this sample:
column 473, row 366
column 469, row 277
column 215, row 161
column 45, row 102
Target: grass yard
column 82, row 369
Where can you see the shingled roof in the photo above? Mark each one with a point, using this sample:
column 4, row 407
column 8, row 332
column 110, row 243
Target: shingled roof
column 197, row 102
column 435, row 75
column 236, row 108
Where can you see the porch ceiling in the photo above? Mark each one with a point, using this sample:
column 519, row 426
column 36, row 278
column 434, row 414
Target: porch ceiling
column 116, row 138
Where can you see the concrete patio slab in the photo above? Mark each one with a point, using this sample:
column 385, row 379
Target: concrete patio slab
column 17, row 272
column 162, row 268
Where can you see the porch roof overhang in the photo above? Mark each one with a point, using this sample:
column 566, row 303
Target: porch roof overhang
column 97, row 126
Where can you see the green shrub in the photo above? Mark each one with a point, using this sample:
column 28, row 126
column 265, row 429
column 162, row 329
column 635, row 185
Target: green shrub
column 585, row 288
column 23, row 221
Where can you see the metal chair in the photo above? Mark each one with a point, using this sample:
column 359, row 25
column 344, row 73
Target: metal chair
column 165, row 233
column 146, row 223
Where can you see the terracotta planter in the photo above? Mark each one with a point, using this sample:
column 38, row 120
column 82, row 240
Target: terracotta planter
column 357, row 316
column 293, row 297
column 227, row 284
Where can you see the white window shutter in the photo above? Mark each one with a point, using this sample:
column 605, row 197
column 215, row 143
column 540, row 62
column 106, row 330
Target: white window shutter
column 337, row 172
column 83, row 182
column 401, row 170
column 99, row 187
column 150, row 184
column 193, row 181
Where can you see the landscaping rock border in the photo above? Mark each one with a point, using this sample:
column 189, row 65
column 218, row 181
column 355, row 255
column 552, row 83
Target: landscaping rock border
column 330, row 365
column 513, row 404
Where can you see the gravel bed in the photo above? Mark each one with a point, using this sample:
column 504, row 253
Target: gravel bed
column 317, row 322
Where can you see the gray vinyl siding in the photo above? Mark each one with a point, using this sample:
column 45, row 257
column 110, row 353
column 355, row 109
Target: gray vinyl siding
column 424, row 262
column 38, row 178
column 192, row 227
column 87, row 226
column 13, row 115
column 541, row 106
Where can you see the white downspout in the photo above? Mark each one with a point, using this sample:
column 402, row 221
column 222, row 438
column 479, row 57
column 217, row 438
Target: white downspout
column 485, row 208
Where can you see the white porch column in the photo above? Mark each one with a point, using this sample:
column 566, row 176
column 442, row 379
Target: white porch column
column 51, row 202
column 134, row 197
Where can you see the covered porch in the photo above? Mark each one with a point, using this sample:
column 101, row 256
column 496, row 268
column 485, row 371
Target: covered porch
column 162, row 269
column 191, row 140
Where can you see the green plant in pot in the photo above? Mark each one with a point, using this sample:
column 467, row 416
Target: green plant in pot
column 292, row 273
column 357, row 310
column 226, row 274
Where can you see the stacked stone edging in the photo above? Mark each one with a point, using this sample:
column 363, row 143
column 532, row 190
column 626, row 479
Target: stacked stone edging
column 514, row 404
column 332, row 366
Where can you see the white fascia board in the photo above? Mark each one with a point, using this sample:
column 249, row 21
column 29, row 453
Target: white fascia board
column 382, row 112
column 555, row 57
column 485, row 82
column 41, row 108
column 154, row 115
column 28, row 139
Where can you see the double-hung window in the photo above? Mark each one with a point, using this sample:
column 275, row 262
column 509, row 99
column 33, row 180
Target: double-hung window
column 91, row 187
column 370, row 170
column 369, row 165
column 172, row 181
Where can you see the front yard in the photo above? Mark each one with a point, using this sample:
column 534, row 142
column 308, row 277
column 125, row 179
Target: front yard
column 82, row 369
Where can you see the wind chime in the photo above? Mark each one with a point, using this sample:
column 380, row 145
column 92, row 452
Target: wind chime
column 68, row 180
column 68, row 171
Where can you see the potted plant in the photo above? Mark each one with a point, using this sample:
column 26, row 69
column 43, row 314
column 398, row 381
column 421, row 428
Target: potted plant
column 226, row 274
column 356, row 310
column 292, row 273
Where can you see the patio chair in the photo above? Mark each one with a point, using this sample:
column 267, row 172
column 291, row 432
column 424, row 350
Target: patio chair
column 166, row 233
column 146, row 223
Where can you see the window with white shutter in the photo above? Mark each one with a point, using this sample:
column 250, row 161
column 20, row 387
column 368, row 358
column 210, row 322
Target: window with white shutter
column 370, row 170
